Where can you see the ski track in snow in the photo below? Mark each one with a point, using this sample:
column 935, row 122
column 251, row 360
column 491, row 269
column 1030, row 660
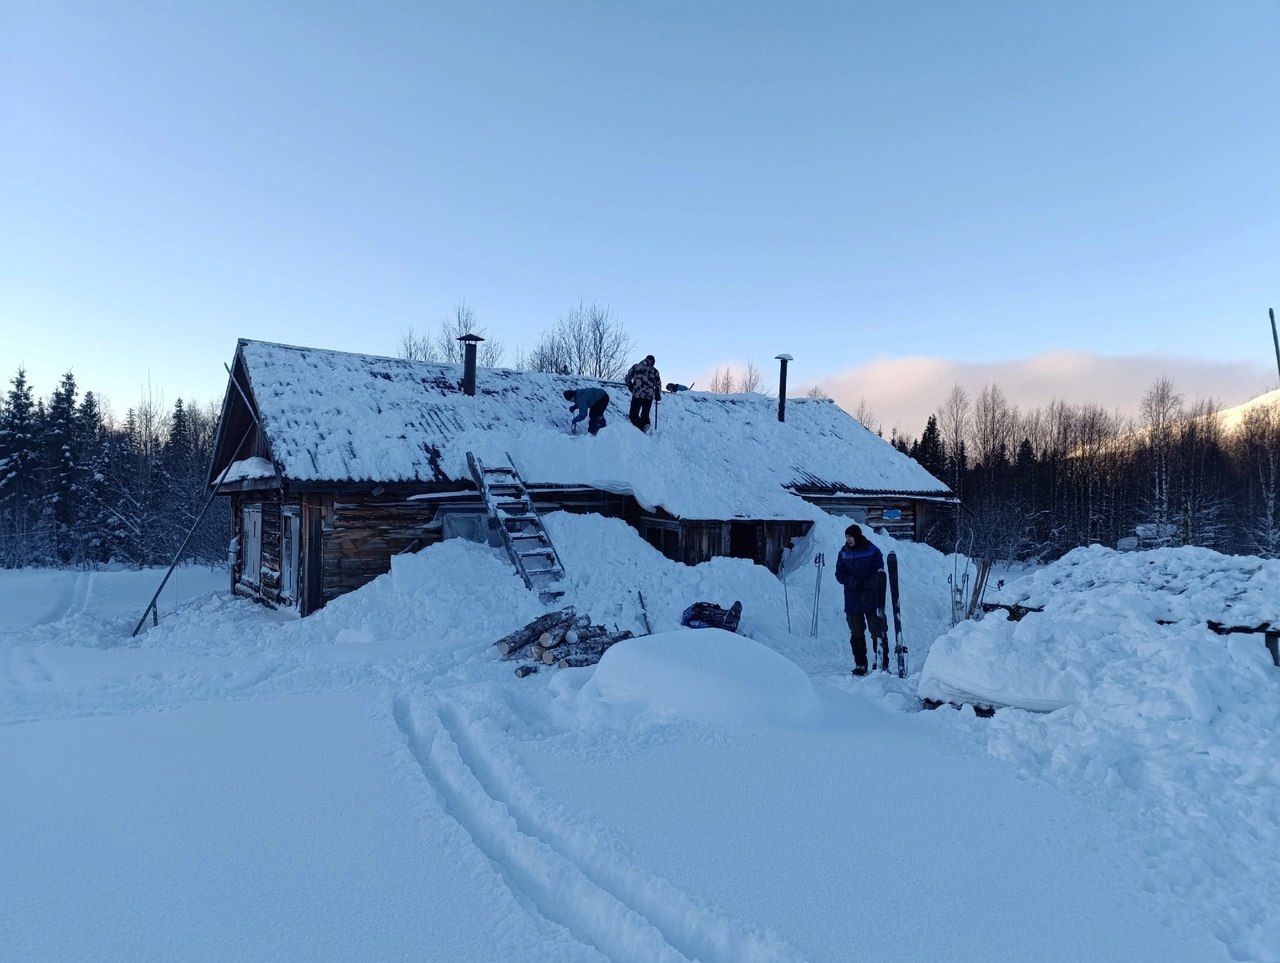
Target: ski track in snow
column 555, row 864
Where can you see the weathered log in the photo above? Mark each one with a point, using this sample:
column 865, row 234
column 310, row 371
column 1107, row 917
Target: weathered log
column 592, row 649
column 577, row 661
column 524, row 670
column 517, row 640
column 581, row 628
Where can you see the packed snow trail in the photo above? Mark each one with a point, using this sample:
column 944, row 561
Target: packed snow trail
column 556, row 866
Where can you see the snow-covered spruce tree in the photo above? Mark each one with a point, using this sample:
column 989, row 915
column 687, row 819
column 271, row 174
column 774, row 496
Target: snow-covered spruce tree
column 59, row 474
column 92, row 449
column 180, row 487
column 209, row 541
column 19, row 482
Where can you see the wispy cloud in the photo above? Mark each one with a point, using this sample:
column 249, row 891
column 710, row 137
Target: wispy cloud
column 903, row 392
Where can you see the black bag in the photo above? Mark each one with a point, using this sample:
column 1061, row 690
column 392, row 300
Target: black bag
column 708, row 615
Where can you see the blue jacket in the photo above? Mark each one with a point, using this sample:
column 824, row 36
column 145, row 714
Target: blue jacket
column 584, row 398
column 861, row 572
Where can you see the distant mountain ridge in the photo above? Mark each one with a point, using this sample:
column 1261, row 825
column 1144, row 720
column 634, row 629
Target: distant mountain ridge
column 1232, row 419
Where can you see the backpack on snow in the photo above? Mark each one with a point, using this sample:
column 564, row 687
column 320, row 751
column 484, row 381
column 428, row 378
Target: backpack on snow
column 708, row 615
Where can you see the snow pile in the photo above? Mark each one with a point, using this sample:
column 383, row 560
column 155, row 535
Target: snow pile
column 706, row 675
column 1113, row 625
column 1171, row 727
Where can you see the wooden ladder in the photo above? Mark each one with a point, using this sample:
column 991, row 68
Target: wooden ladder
column 526, row 539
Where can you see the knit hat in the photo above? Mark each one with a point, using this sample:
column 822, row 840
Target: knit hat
column 569, row 394
column 853, row 530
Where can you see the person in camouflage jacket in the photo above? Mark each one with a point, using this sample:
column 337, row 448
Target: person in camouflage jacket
column 646, row 388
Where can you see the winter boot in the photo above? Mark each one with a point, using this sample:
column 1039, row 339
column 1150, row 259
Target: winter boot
column 858, row 643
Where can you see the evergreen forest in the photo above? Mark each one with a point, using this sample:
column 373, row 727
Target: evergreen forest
column 79, row 488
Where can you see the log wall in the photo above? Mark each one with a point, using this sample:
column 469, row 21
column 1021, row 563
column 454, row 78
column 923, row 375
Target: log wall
column 363, row 531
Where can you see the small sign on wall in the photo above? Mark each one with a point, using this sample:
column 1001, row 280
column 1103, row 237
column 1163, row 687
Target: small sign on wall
column 892, row 514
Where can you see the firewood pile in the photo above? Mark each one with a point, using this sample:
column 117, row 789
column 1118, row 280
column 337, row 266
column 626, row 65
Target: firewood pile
column 560, row 639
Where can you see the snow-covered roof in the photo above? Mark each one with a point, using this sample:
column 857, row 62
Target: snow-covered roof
column 333, row 416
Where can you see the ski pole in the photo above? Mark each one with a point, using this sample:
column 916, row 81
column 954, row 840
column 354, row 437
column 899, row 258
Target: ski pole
column 818, row 562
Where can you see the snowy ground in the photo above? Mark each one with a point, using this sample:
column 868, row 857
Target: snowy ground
column 373, row 783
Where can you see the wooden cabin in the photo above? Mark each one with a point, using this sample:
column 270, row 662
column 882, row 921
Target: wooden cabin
column 335, row 462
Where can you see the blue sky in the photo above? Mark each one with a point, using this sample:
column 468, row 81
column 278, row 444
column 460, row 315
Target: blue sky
column 852, row 183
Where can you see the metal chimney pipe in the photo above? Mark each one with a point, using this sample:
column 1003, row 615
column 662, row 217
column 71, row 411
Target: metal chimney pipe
column 782, row 386
column 469, row 342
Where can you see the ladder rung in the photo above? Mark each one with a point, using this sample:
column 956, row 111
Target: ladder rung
column 520, row 518
column 538, row 553
column 538, row 535
column 498, row 470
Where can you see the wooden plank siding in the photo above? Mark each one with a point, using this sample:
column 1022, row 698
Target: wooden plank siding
column 913, row 514
column 363, row 531
column 699, row 541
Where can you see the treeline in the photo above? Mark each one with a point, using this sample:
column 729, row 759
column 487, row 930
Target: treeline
column 1035, row 485
column 77, row 488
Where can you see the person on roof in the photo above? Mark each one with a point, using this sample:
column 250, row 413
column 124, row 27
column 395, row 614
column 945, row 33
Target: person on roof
column 589, row 403
column 860, row 569
column 646, row 388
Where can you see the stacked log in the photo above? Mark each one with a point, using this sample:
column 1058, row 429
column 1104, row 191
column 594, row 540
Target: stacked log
column 562, row 639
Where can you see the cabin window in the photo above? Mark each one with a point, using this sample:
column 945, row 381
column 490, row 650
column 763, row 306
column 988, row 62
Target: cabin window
column 468, row 523
column 290, row 550
column 251, row 522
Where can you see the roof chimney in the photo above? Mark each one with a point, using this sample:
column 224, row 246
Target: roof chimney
column 782, row 386
column 469, row 342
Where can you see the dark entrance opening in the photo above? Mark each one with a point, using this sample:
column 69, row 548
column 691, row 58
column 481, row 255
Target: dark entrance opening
column 744, row 542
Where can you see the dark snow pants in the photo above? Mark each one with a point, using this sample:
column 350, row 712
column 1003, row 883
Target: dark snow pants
column 858, row 625
column 639, row 413
column 595, row 415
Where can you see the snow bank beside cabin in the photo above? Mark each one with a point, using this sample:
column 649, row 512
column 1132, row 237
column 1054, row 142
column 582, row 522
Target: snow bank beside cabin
column 1143, row 709
column 1129, row 628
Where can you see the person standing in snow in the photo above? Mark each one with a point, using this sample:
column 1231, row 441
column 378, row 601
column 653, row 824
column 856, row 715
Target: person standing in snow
column 589, row 403
column 646, row 388
column 860, row 569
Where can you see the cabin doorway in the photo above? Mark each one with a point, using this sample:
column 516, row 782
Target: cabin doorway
column 743, row 542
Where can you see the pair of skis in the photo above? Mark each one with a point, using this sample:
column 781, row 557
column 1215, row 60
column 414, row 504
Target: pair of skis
column 882, row 644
